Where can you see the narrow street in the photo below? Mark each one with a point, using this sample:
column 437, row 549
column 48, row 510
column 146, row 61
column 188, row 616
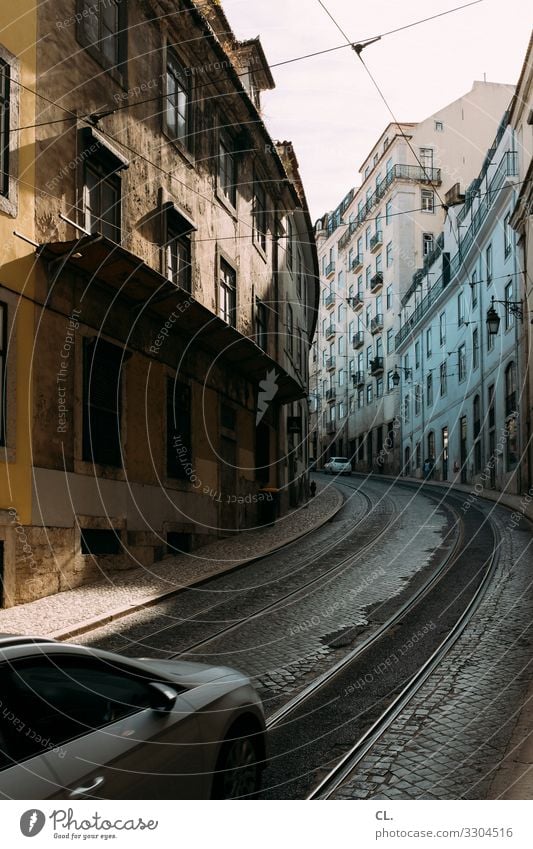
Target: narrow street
column 332, row 628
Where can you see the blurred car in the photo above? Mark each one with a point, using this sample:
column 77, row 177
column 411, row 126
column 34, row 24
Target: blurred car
column 338, row 466
column 81, row 723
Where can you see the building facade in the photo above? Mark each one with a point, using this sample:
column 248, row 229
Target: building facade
column 462, row 340
column 369, row 249
column 175, row 294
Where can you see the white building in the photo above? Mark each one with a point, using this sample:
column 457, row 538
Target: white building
column 459, row 388
column 369, row 249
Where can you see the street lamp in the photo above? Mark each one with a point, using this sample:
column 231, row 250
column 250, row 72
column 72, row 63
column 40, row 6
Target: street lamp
column 396, row 376
column 493, row 319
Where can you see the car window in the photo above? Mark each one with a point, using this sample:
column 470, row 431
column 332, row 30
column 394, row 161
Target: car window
column 50, row 700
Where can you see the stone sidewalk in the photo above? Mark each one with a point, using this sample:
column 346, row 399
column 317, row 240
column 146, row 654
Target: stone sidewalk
column 75, row 611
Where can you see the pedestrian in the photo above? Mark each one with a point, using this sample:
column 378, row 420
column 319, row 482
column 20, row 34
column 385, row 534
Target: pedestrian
column 312, row 488
column 426, row 468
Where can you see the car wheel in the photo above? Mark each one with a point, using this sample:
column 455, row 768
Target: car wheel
column 238, row 772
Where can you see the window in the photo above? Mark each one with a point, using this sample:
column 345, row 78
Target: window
column 3, row 352
column 439, row 127
column 260, row 215
column 340, row 345
column 428, row 342
column 507, row 234
column 379, row 347
column 491, row 415
column 227, row 293
column 341, row 377
column 360, row 285
column 388, row 212
column 178, row 250
column 488, row 264
column 431, row 445
column 460, row 309
column 102, row 402
column 369, row 393
column 417, row 354
column 178, row 97
column 102, row 29
column 418, row 396
column 261, row 327
column 429, row 388
column 376, row 159
column 442, row 328
column 290, row 329
column 508, row 297
column 390, row 341
column 65, row 699
column 351, row 330
column 426, row 158
column 179, row 430
column 341, row 409
column 427, row 200
column 473, row 288
column 368, row 356
column 379, row 263
column 461, row 357
column 406, row 409
column 368, row 316
column 389, row 297
column 406, row 362
column 389, row 254
column 490, row 341
column 443, row 379
column 360, row 399
column 379, row 305
column 368, row 273
column 379, row 387
column 418, row 456
column 100, row 541
column 102, row 196
column 477, row 431
column 227, row 170
column 427, row 243
column 475, row 348
column 510, row 390
column 4, row 126
column 368, row 235
column 390, row 381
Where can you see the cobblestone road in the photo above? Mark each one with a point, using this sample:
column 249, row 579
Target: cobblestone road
column 449, row 740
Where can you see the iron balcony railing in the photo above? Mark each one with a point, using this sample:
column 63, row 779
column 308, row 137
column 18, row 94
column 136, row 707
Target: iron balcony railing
column 358, row 339
column 330, row 268
column 357, row 263
column 359, row 378
column 376, row 281
column 376, row 366
column 376, row 241
column 356, row 302
column 415, row 173
column 330, row 299
column 377, row 323
column 330, row 427
column 330, row 363
column 330, row 394
column 330, row 331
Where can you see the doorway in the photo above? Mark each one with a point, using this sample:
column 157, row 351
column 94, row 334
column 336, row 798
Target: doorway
column 445, row 452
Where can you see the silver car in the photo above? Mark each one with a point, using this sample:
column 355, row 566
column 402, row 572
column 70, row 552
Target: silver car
column 338, row 466
column 80, row 723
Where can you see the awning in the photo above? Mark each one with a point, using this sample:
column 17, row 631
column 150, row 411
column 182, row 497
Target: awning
column 99, row 257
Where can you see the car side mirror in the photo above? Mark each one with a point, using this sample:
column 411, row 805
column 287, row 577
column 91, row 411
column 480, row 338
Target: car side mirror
column 162, row 697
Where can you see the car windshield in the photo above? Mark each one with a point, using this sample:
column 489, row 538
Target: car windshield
column 339, row 460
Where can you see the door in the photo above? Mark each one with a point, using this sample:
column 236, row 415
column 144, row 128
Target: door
column 492, row 455
column 445, row 451
column 228, row 486
column 369, row 449
column 82, row 728
column 463, row 434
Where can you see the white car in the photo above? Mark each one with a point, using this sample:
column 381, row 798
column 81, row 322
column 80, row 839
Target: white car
column 338, row 466
column 80, row 723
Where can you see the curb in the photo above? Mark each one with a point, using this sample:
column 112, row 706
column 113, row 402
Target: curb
column 154, row 598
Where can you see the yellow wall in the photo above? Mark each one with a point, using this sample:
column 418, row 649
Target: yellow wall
column 18, row 27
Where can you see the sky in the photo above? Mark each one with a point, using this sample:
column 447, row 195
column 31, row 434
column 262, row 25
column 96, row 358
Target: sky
column 328, row 106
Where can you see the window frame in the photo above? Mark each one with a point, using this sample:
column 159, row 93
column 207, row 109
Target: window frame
column 183, row 140
column 227, row 307
column 118, row 70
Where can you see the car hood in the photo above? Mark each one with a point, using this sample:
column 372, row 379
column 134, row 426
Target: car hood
column 189, row 674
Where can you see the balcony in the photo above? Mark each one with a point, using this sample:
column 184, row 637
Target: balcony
column 357, row 263
column 330, row 394
column 376, row 241
column 330, row 363
column 329, row 300
column 330, row 269
column 377, row 323
column 330, row 427
column 358, row 340
column 376, row 366
column 358, row 378
column 357, row 301
column 376, row 282
column 330, row 331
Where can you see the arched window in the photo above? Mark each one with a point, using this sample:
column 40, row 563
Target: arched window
column 510, row 389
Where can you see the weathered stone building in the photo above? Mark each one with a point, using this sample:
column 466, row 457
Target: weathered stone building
column 175, row 293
